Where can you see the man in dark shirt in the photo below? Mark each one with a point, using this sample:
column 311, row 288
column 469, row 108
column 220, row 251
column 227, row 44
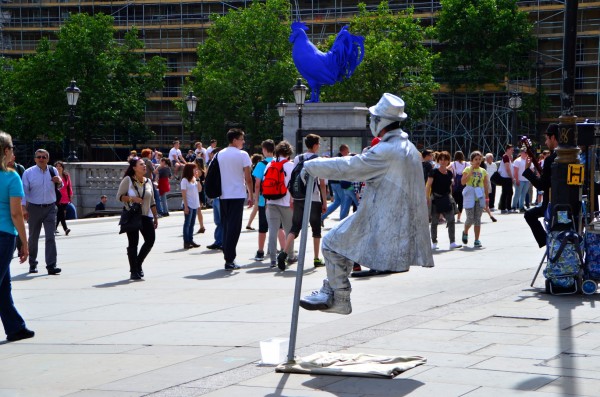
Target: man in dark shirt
column 542, row 182
column 101, row 206
column 427, row 156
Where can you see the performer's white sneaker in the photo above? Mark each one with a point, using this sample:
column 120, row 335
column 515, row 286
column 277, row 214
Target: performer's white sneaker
column 318, row 300
column 434, row 246
column 455, row 245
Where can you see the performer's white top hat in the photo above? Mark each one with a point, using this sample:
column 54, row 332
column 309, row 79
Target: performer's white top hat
column 389, row 107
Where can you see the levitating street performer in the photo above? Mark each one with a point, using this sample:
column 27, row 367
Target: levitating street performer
column 389, row 231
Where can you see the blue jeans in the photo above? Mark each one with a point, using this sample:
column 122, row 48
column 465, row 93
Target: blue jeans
column 349, row 198
column 11, row 319
column 217, row 219
column 164, row 202
column 157, row 198
column 188, row 225
column 338, row 196
column 518, row 201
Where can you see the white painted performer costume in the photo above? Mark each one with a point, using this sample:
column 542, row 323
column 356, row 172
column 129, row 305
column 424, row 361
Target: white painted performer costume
column 389, row 232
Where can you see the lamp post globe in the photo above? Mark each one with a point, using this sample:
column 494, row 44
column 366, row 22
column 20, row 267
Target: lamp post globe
column 515, row 102
column 72, row 92
column 191, row 101
column 299, row 91
column 281, row 108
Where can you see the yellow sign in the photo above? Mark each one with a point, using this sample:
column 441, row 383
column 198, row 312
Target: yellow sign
column 575, row 174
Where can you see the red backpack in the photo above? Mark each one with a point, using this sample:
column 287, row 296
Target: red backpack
column 273, row 186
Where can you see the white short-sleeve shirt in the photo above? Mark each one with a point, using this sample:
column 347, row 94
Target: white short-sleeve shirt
column 231, row 163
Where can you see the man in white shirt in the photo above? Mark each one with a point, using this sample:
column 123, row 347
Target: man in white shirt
column 521, row 183
column 39, row 208
column 200, row 152
column 176, row 158
column 213, row 145
column 236, row 182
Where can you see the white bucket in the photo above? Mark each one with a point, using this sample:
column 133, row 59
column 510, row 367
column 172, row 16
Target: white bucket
column 274, row 351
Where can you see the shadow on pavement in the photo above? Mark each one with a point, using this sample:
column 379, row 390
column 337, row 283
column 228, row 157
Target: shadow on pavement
column 116, row 283
column 27, row 276
column 215, row 274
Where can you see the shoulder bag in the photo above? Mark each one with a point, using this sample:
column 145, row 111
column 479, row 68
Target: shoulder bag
column 131, row 218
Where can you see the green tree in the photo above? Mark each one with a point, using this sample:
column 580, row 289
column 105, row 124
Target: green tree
column 395, row 61
column 482, row 41
column 244, row 66
column 114, row 79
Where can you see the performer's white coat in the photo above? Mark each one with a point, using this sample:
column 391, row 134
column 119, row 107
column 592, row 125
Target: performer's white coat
column 390, row 229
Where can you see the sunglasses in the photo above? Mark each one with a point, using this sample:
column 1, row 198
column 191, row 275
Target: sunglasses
column 41, row 157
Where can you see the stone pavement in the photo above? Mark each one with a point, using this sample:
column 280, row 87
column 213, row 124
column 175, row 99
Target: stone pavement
column 192, row 329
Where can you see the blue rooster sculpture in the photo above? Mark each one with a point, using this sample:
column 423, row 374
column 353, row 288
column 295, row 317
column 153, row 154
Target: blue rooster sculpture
column 320, row 68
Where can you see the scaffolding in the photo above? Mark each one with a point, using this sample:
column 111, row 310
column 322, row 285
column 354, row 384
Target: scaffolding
column 467, row 122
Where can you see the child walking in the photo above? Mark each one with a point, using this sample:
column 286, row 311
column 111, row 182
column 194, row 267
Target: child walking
column 475, row 197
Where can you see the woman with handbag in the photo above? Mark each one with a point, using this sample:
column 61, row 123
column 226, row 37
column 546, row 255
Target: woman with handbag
column 439, row 187
column 66, row 194
column 140, row 215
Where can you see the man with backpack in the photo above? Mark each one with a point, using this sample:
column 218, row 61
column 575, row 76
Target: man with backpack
column 318, row 207
column 268, row 147
column 387, row 232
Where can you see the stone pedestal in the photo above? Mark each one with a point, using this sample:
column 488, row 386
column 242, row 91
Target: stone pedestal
column 329, row 120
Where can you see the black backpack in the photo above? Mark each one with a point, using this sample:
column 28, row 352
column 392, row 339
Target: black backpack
column 296, row 185
column 212, row 183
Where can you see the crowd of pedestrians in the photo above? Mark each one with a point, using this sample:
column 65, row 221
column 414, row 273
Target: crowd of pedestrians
column 453, row 185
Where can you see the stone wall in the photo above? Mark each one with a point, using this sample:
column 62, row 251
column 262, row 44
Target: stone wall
column 91, row 180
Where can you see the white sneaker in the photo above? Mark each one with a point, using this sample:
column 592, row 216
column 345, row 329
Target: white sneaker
column 455, row 245
column 434, row 246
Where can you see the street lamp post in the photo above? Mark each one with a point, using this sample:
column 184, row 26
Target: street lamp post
column 539, row 67
column 299, row 91
column 72, row 96
column 281, row 108
column 191, row 101
column 515, row 102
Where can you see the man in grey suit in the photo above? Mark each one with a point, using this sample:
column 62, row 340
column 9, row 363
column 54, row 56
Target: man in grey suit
column 39, row 208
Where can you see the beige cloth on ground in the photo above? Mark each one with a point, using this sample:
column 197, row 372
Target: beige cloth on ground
column 344, row 364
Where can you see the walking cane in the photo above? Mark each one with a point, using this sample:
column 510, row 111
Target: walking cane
column 300, row 269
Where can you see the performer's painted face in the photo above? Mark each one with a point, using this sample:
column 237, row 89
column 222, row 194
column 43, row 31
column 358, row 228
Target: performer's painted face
column 373, row 125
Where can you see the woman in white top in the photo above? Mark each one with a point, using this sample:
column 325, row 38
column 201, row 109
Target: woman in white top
column 457, row 167
column 279, row 212
column 191, row 202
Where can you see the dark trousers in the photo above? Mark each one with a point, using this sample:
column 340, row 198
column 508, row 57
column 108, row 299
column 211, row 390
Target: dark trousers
column 11, row 319
column 506, row 196
column 232, row 211
column 38, row 217
column 531, row 217
column 149, row 235
column 61, row 216
column 492, row 196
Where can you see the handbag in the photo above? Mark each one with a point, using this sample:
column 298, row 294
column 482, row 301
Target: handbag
column 131, row 218
column 442, row 203
column 496, row 178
